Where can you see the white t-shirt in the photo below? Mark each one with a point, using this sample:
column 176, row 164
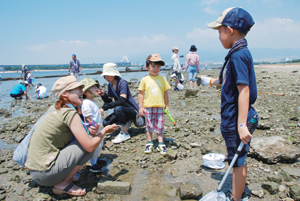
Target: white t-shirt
column 42, row 92
column 176, row 62
column 90, row 108
column 29, row 76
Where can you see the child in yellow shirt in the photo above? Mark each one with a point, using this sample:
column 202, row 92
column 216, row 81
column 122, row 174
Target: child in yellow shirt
column 154, row 87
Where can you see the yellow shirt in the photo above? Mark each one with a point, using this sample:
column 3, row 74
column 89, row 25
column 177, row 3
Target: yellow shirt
column 154, row 88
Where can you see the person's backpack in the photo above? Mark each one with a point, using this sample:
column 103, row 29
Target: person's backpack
column 20, row 154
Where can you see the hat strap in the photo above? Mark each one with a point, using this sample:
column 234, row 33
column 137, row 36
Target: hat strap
column 91, row 93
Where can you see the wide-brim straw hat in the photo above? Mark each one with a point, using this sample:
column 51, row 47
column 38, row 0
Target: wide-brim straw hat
column 88, row 82
column 110, row 69
column 65, row 84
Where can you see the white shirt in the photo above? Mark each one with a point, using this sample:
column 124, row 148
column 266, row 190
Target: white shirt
column 29, row 76
column 176, row 62
column 90, row 108
column 43, row 91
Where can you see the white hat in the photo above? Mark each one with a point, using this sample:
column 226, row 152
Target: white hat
column 175, row 48
column 214, row 161
column 110, row 69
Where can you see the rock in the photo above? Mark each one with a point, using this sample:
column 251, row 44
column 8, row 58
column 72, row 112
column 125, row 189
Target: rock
column 295, row 192
column 109, row 144
column 2, row 196
column 170, row 191
column 294, row 172
column 190, row 191
column 160, row 159
column 13, row 126
column 273, row 150
column 190, row 93
column 3, row 171
column 114, row 187
column 258, row 193
column 295, row 118
column 170, row 155
column 19, row 138
column 275, row 178
column 272, row 187
column 285, row 176
column 281, row 188
column 195, row 145
column 127, row 69
column 42, row 197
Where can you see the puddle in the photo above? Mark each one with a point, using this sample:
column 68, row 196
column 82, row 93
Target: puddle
column 217, row 132
column 217, row 117
column 183, row 103
column 4, row 145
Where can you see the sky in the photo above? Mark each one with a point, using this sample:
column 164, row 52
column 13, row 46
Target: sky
column 98, row 31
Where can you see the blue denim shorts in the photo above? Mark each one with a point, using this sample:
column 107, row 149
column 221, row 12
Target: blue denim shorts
column 192, row 72
column 232, row 140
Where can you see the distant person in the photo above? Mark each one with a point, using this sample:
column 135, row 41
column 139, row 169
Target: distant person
column 239, row 90
column 0, row 79
column 192, row 64
column 155, row 88
column 176, row 66
column 125, row 108
column 24, row 72
column 19, row 90
column 75, row 67
column 29, row 79
column 41, row 91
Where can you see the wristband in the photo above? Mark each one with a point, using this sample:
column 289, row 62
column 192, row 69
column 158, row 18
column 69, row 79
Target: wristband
column 243, row 125
column 210, row 82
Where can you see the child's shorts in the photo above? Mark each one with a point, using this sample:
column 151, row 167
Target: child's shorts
column 154, row 117
column 30, row 81
column 232, row 140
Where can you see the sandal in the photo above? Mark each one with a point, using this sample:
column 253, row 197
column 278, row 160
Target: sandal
column 66, row 190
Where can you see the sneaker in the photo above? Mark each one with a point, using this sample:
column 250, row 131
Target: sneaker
column 95, row 168
column 121, row 137
column 101, row 162
column 149, row 148
column 229, row 197
column 162, row 149
column 176, row 89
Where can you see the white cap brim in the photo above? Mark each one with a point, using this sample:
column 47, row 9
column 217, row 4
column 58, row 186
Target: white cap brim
column 214, row 25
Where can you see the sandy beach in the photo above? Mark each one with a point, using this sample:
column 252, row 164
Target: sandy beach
column 273, row 162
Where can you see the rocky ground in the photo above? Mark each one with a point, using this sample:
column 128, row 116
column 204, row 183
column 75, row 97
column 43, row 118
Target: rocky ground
column 273, row 165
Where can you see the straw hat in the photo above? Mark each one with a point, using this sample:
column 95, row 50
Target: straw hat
column 88, row 82
column 175, row 48
column 64, row 84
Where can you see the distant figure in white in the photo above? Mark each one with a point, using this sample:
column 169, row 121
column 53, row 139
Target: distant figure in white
column 74, row 67
column 24, row 72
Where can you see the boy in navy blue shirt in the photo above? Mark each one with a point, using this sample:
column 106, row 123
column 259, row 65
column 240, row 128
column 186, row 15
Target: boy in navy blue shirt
column 239, row 90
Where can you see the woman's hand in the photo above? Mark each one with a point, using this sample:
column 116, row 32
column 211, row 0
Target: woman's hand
column 110, row 128
column 245, row 135
column 141, row 112
column 94, row 129
column 102, row 112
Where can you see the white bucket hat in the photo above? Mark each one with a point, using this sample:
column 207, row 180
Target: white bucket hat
column 110, row 69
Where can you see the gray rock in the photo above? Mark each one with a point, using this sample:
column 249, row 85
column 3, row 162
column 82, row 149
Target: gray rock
column 272, row 187
column 258, row 193
column 170, row 155
column 2, row 196
column 19, row 138
column 274, row 178
column 191, row 93
column 195, row 145
column 273, row 150
column 114, row 187
column 42, row 197
column 295, row 192
column 170, row 191
column 2, row 171
column 190, row 191
column 294, row 172
column 285, row 176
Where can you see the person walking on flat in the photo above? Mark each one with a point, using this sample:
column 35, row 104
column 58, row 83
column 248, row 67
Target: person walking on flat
column 74, row 67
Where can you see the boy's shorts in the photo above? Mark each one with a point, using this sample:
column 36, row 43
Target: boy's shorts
column 232, row 140
column 29, row 81
column 178, row 75
column 154, row 117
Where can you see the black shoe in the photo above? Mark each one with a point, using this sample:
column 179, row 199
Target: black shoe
column 96, row 168
column 176, row 89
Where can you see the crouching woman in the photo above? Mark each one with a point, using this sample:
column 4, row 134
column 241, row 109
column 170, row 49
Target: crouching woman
column 53, row 159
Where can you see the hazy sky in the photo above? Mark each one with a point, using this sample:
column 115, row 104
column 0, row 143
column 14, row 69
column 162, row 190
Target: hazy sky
column 49, row 32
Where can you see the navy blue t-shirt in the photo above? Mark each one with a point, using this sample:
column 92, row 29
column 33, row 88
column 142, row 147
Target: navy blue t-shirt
column 239, row 70
column 122, row 88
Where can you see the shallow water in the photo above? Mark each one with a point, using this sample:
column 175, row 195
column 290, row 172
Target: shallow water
column 4, row 145
column 7, row 86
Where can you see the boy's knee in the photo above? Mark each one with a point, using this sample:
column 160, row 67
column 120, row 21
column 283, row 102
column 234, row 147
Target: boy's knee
column 118, row 110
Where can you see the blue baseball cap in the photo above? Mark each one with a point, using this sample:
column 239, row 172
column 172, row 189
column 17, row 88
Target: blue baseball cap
column 235, row 17
column 73, row 55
